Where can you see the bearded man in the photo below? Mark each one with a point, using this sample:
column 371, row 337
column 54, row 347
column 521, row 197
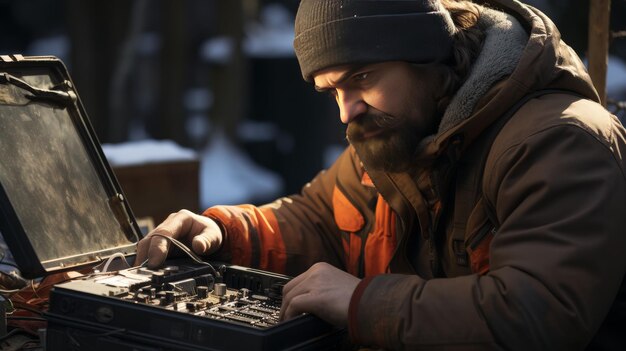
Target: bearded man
column 480, row 204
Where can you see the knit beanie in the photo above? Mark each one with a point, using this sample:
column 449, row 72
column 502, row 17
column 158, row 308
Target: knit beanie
column 336, row 32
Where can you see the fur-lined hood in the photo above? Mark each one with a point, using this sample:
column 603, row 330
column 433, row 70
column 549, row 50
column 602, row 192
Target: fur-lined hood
column 536, row 59
column 522, row 53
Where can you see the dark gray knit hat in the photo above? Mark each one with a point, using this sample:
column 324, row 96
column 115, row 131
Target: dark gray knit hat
column 336, row 32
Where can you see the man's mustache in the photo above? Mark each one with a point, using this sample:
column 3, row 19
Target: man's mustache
column 371, row 121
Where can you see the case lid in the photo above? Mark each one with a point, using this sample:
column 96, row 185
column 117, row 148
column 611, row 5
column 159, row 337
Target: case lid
column 61, row 207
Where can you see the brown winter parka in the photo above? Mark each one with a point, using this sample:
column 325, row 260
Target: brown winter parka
column 542, row 256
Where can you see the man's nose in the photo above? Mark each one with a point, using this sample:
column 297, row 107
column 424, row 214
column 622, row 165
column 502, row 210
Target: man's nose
column 351, row 105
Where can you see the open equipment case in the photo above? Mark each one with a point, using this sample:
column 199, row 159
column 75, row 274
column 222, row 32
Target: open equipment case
column 62, row 209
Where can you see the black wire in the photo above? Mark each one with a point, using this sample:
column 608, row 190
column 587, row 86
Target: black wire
column 9, row 264
column 4, row 255
column 13, row 279
column 29, row 309
column 11, row 333
column 189, row 253
column 25, row 318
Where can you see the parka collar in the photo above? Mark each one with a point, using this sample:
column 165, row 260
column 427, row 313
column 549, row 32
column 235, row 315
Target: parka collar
column 544, row 63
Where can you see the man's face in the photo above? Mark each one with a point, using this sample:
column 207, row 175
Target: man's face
column 388, row 107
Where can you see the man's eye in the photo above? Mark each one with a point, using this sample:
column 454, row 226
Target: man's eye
column 361, row 76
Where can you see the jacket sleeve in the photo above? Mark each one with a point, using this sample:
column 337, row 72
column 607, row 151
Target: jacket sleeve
column 288, row 235
column 557, row 260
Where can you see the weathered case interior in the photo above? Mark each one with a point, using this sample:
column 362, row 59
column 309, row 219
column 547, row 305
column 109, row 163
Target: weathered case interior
column 61, row 207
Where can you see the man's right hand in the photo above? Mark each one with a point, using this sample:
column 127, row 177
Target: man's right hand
column 199, row 233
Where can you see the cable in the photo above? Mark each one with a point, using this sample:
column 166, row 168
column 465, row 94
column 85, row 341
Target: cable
column 189, row 253
column 13, row 276
column 111, row 258
column 9, row 264
column 25, row 318
column 32, row 286
column 29, row 309
column 11, row 306
column 12, row 291
column 11, row 281
column 11, row 333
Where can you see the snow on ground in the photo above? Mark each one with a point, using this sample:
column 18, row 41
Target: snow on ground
column 146, row 151
column 229, row 176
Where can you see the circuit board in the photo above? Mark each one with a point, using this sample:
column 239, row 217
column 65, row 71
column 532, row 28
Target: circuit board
column 187, row 289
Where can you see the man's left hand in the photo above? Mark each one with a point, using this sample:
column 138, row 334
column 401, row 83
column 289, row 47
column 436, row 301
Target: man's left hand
column 322, row 290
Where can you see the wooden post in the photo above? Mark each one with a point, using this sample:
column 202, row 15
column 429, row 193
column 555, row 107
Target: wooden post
column 96, row 29
column 229, row 79
column 172, row 72
column 598, row 47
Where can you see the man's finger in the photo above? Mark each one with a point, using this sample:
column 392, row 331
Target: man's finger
column 157, row 251
column 142, row 251
column 296, row 287
column 302, row 283
column 201, row 245
column 154, row 247
column 206, row 243
column 199, row 233
column 209, row 238
column 297, row 305
column 294, row 282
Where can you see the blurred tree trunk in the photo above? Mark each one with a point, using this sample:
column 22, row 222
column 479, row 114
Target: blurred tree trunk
column 173, row 72
column 599, row 18
column 96, row 29
column 121, row 100
column 230, row 83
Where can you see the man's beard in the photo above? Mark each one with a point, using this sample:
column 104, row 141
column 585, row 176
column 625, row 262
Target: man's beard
column 384, row 142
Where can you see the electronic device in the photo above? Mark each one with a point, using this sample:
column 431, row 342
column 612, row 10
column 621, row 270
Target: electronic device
column 61, row 208
column 181, row 307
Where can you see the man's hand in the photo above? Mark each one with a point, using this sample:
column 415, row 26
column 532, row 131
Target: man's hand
column 323, row 290
column 200, row 233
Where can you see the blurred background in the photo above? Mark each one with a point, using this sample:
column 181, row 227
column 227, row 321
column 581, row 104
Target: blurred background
column 209, row 92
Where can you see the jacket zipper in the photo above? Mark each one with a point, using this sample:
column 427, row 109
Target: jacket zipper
column 435, row 264
column 484, row 231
